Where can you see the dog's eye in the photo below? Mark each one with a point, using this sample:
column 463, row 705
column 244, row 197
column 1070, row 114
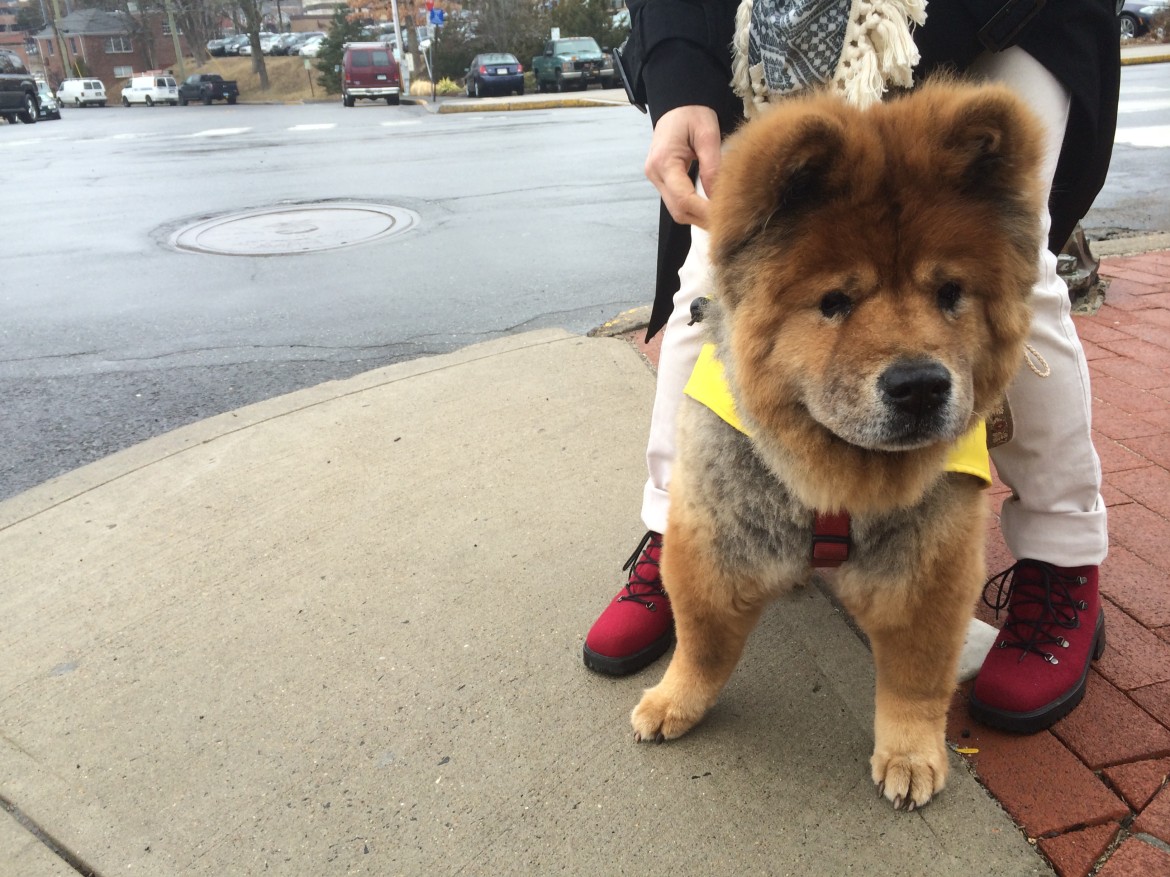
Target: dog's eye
column 836, row 304
column 948, row 295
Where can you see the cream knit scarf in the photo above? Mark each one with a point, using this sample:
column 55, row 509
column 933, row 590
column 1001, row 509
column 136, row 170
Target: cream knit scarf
column 858, row 47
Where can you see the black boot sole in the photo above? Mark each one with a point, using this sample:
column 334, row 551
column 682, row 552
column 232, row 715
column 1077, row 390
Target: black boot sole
column 630, row 663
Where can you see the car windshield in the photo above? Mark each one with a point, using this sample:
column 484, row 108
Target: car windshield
column 585, row 45
column 497, row 58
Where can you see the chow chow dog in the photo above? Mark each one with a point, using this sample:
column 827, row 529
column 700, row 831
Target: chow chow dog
column 871, row 277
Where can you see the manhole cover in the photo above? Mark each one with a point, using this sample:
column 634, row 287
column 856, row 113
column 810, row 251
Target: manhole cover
column 293, row 229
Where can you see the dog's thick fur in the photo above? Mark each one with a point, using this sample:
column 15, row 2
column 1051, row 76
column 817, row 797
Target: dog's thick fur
column 872, row 276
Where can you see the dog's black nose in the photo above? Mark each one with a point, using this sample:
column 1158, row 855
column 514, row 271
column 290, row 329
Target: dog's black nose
column 916, row 387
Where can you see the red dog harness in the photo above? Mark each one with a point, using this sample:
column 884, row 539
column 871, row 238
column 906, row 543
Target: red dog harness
column 830, row 541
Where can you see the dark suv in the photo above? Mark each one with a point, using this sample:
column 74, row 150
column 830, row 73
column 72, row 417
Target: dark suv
column 18, row 89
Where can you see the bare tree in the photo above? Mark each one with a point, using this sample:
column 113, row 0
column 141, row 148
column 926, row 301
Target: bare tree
column 253, row 20
column 199, row 22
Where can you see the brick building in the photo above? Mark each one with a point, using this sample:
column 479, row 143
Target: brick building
column 111, row 46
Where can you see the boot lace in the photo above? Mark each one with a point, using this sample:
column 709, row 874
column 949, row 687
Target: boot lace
column 648, row 587
column 1042, row 605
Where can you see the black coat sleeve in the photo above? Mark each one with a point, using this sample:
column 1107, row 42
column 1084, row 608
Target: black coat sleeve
column 679, row 54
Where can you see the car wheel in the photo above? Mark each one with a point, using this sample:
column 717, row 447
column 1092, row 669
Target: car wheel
column 125, row 101
column 520, row 91
column 149, row 101
column 348, row 100
column 477, row 91
column 207, row 101
column 392, row 100
column 174, row 103
column 182, row 101
column 29, row 114
column 1128, row 26
column 77, row 102
column 559, row 84
column 231, row 100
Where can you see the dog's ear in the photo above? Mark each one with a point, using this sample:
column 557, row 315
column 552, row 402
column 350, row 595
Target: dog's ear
column 996, row 144
column 776, row 171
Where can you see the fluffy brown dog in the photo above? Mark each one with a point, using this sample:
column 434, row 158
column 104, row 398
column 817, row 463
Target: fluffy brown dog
column 872, row 275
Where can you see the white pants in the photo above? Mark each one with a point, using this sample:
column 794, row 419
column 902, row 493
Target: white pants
column 1055, row 513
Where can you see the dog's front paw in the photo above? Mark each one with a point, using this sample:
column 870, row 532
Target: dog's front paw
column 908, row 780
column 663, row 716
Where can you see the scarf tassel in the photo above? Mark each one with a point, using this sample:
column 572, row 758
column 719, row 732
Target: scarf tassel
column 879, row 49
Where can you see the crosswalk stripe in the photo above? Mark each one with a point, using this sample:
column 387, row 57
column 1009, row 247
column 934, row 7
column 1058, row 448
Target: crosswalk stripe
column 1143, row 106
column 1153, row 135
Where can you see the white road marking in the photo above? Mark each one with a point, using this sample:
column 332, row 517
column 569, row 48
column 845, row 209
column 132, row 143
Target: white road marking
column 400, row 123
column 323, row 126
column 220, row 132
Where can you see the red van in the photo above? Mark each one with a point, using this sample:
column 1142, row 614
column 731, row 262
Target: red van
column 368, row 70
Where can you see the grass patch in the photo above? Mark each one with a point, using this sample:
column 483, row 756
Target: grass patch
column 288, row 79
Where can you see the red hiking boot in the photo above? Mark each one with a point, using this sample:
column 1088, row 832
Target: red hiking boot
column 1036, row 672
column 638, row 624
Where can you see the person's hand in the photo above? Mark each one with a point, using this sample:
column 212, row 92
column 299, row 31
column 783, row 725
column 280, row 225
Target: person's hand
column 681, row 136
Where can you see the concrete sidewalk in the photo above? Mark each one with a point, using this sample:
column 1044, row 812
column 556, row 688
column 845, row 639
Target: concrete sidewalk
column 339, row 632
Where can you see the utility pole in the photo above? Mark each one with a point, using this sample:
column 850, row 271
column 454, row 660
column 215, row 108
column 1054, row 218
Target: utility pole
column 60, row 39
column 403, row 73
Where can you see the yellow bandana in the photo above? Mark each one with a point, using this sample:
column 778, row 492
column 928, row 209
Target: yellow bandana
column 708, row 386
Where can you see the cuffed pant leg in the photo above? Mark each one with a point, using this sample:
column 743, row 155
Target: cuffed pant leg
column 1055, row 513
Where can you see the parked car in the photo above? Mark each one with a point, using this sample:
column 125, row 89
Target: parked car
column 215, row 47
column 310, row 47
column 18, row 90
column 82, row 92
column 151, row 89
column 494, row 73
column 281, row 43
column 574, row 62
column 49, row 107
column 369, row 72
column 295, row 47
column 232, row 45
column 1137, row 16
column 207, row 87
column 267, row 41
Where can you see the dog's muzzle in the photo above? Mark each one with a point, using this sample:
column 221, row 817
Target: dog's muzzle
column 917, row 394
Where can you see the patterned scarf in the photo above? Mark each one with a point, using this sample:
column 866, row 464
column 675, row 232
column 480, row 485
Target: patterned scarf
column 858, row 47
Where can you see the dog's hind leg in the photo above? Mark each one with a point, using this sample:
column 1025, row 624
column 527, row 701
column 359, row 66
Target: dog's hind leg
column 712, row 622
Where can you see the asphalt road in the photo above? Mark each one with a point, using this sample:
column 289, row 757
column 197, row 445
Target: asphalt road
column 110, row 335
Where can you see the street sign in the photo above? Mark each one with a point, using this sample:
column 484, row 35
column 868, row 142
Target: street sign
column 437, row 16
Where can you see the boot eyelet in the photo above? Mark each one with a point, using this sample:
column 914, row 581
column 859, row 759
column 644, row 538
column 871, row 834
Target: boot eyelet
column 1002, row 644
column 651, row 607
column 1081, row 604
column 621, row 598
column 1050, row 658
column 1062, row 642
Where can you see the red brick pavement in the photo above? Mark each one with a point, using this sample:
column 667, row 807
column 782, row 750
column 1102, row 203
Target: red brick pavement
column 1092, row 792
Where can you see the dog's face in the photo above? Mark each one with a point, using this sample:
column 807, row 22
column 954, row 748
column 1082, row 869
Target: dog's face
column 874, row 267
